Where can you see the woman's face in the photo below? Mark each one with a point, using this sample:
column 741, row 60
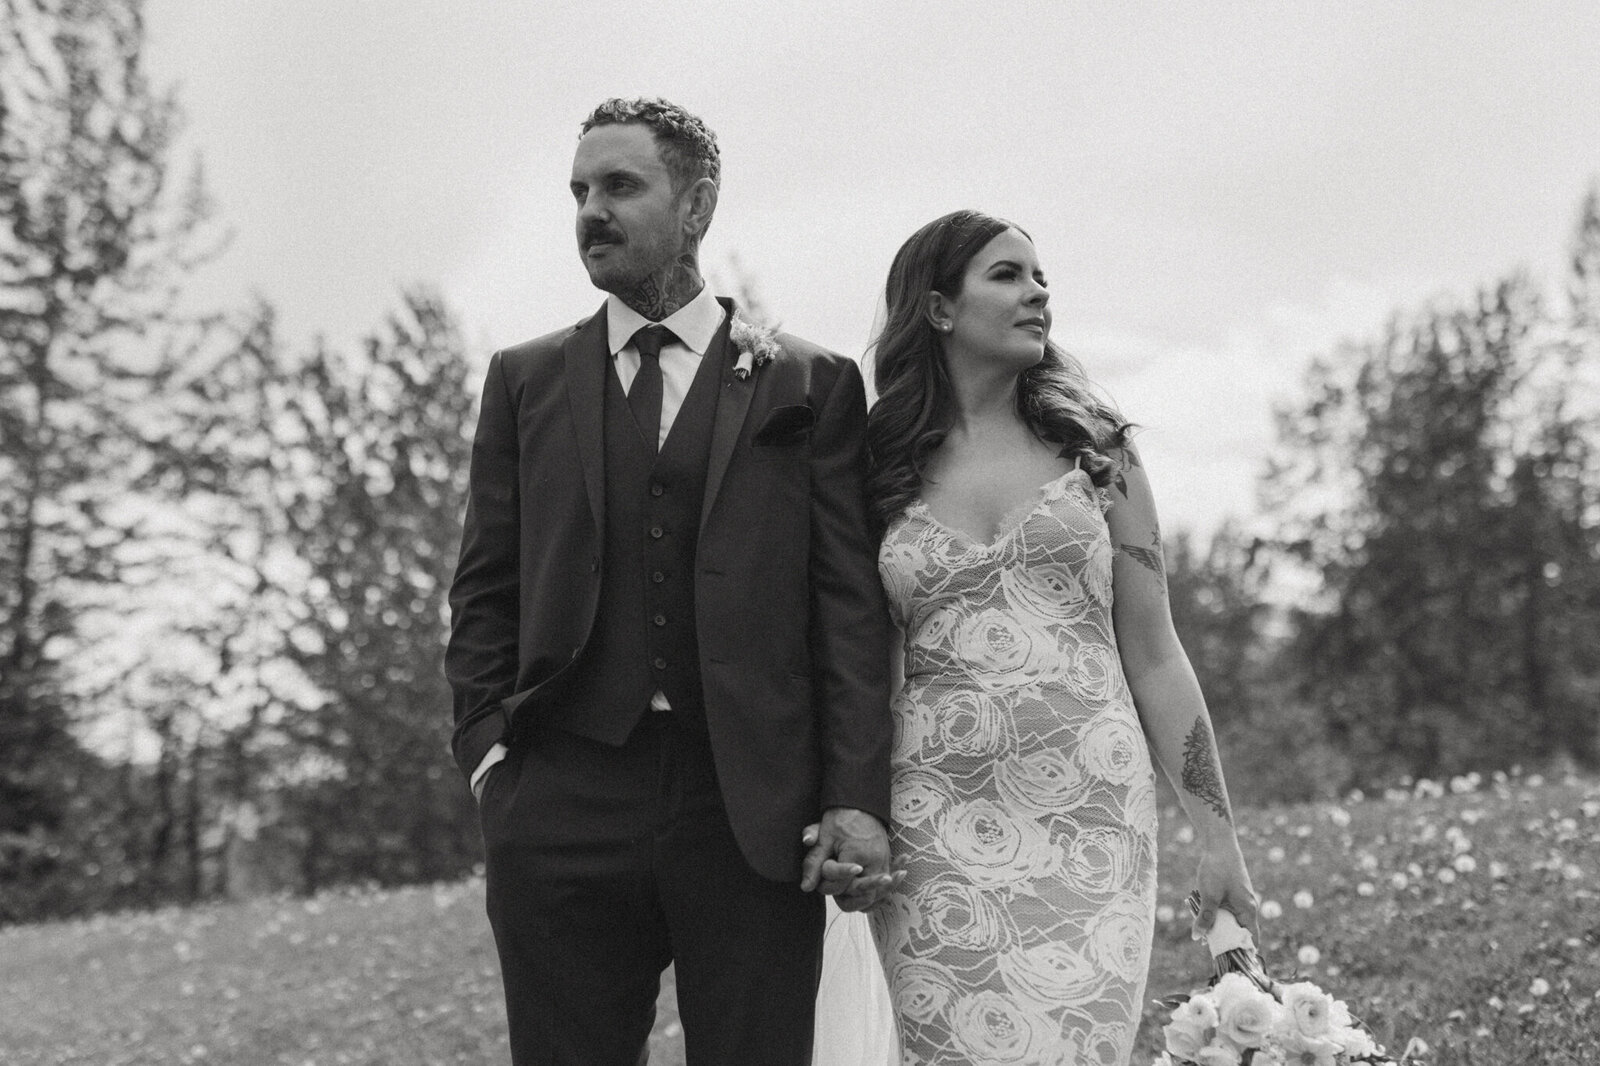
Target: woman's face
column 1001, row 314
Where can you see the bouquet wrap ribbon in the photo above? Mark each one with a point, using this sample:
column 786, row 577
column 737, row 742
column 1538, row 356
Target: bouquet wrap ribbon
column 1233, row 949
column 1228, row 935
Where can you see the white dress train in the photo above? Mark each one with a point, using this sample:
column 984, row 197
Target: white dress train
column 855, row 1019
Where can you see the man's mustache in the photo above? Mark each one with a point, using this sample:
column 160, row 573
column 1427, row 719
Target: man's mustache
column 596, row 232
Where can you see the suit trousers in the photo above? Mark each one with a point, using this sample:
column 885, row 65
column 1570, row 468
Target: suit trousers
column 604, row 865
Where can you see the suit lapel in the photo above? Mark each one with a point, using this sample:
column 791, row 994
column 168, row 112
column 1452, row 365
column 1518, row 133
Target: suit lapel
column 733, row 405
column 588, row 359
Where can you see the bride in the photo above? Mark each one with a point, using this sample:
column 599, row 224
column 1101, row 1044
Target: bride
column 1022, row 560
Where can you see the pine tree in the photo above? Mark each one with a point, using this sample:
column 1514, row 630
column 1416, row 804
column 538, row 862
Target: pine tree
column 94, row 243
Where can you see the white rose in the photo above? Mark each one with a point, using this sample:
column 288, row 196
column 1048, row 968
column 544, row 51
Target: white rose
column 1192, row 1026
column 898, row 563
column 1006, row 651
column 1141, row 807
column 934, row 626
column 950, row 553
column 892, row 922
column 1119, row 937
column 922, row 990
column 1099, row 859
column 1049, row 974
column 1310, row 1050
column 1354, row 1042
column 1218, row 1055
column 992, row 1028
column 1247, row 1014
column 1043, row 783
column 1308, row 1008
column 971, row 724
column 1097, row 574
column 1105, row 1043
column 919, row 795
column 1112, row 748
column 1096, row 670
column 996, row 846
column 1051, row 593
column 964, row 916
column 914, row 726
column 1230, row 988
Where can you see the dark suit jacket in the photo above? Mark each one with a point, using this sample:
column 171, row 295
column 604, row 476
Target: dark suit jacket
column 789, row 613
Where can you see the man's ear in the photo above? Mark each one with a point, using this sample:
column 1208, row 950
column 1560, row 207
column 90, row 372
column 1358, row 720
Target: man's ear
column 701, row 201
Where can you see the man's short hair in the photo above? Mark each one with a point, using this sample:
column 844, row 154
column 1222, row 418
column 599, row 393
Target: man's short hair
column 687, row 145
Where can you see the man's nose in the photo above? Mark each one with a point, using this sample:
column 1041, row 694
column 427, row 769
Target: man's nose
column 592, row 207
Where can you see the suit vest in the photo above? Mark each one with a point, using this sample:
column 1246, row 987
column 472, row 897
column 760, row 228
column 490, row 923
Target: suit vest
column 644, row 629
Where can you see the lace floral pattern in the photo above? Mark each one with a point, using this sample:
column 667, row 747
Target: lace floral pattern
column 1023, row 801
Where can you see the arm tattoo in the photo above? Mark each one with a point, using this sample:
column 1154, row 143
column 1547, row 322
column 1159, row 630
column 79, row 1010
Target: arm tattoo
column 1202, row 777
column 1121, row 482
column 1149, row 558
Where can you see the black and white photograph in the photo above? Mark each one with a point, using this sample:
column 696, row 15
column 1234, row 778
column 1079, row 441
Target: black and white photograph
column 539, row 533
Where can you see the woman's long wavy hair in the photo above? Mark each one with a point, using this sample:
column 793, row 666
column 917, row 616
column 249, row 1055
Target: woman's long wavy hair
column 916, row 404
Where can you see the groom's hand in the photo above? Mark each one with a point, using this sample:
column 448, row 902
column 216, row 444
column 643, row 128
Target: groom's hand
column 849, row 859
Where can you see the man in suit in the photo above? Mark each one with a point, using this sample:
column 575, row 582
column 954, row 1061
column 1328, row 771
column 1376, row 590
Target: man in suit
column 668, row 645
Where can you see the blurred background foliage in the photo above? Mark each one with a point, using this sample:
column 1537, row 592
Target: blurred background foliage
column 224, row 555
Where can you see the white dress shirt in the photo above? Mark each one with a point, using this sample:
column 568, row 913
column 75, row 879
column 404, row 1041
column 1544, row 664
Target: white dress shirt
column 695, row 324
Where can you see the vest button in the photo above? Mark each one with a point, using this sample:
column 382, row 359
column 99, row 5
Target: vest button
column 659, row 663
column 660, row 619
column 656, row 489
column 657, row 532
column 658, row 577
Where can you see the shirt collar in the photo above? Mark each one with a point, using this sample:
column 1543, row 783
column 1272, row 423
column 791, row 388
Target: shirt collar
column 695, row 323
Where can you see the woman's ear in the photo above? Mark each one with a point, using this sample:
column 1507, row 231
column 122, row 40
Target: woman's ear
column 936, row 308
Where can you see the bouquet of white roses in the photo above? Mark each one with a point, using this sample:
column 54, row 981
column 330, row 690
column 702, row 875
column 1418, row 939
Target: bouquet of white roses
column 1244, row 1018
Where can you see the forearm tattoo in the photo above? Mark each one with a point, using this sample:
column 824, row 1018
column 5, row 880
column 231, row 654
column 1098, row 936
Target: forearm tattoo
column 1149, row 558
column 1202, row 774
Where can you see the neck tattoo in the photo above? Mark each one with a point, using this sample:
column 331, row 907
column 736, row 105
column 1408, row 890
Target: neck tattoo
column 659, row 295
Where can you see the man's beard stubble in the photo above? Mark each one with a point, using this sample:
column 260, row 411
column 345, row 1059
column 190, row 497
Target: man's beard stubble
column 655, row 294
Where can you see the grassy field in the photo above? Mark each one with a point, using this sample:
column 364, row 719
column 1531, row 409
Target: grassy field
column 1466, row 914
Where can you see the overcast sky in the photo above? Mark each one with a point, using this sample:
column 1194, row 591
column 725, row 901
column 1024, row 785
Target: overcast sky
column 1216, row 192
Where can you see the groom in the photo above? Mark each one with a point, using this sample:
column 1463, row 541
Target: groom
column 668, row 641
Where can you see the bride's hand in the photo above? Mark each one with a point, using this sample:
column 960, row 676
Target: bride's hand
column 1223, row 881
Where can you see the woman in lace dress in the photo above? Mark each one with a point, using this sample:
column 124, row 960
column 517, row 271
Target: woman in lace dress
column 1022, row 560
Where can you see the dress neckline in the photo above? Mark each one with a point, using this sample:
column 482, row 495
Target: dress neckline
column 1011, row 522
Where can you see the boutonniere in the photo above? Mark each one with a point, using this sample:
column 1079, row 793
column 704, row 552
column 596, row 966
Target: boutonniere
column 757, row 346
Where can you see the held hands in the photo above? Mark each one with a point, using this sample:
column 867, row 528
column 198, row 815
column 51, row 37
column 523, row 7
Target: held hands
column 1224, row 883
column 848, row 859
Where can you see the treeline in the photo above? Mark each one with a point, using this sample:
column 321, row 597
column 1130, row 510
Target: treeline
column 1427, row 601
column 224, row 555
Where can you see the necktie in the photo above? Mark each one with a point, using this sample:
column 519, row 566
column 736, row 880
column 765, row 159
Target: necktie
column 644, row 397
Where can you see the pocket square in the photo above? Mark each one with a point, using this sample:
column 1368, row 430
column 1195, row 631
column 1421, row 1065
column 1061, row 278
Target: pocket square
column 789, row 424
